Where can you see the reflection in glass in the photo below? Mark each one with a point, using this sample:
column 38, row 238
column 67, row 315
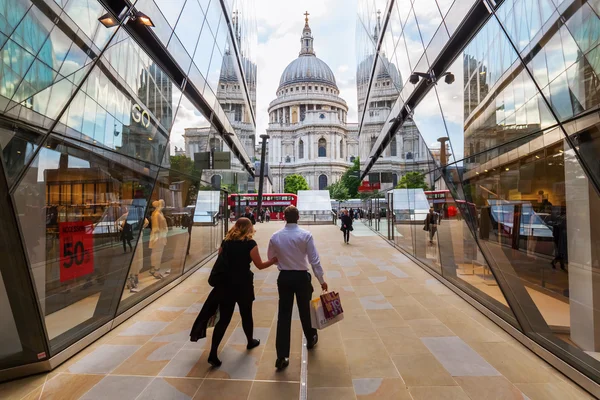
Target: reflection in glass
column 69, row 202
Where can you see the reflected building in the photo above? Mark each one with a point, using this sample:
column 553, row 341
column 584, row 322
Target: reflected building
column 406, row 151
column 517, row 179
column 101, row 212
column 232, row 97
column 309, row 134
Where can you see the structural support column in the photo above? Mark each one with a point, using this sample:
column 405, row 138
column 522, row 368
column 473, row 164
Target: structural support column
column 583, row 245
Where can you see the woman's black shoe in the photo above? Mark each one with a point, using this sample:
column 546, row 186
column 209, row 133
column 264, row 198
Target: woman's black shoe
column 254, row 343
column 282, row 363
column 214, row 361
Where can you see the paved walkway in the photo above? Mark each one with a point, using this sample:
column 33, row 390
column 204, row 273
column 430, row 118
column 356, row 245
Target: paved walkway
column 404, row 336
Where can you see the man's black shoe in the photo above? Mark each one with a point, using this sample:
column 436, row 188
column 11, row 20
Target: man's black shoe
column 313, row 342
column 282, row 363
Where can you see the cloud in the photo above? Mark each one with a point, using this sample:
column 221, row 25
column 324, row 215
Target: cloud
column 187, row 117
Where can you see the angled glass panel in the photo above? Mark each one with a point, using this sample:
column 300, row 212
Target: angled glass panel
column 428, row 18
column 530, row 205
column 11, row 13
column 166, row 227
column 187, row 143
column 456, row 14
column 164, row 14
column 32, row 31
column 189, row 25
column 18, row 147
column 440, row 39
column 207, row 219
column 170, row 9
column 22, row 336
column 432, row 128
column 204, row 51
column 85, row 14
column 524, row 20
column 69, row 202
column 460, row 256
column 414, row 43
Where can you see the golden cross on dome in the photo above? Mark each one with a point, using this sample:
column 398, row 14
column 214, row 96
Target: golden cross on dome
column 306, row 14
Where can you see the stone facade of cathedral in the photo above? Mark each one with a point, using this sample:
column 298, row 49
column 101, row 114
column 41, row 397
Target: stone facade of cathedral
column 308, row 131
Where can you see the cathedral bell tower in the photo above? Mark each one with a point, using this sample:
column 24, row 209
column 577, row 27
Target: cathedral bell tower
column 306, row 41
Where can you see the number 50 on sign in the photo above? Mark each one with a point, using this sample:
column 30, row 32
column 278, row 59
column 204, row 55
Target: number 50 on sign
column 76, row 249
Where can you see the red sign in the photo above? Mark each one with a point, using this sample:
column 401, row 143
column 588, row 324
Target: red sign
column 76, row 249
column 366, row 186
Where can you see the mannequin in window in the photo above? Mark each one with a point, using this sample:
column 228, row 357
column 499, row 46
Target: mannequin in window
column 158, row 237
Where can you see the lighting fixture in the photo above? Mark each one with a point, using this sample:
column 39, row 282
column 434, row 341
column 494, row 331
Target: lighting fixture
column 482, row 73
column 486, row 170
column 508, row 169
column 537, row 157
column 108, row 20
column 430, row 77
column 149, row 138
column 143, row 18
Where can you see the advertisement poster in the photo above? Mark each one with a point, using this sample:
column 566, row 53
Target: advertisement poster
column 76, row 249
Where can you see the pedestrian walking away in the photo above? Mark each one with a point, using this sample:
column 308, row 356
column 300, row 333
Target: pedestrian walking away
column 294, row 249
column 346, row 228
column 250, row 215
column 233, row 284
column 432, row 220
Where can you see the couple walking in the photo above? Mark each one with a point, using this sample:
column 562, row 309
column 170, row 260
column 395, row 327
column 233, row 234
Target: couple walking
column 289, row 248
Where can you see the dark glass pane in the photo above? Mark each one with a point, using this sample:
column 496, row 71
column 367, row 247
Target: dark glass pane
column 165, row 240
column 71, row 203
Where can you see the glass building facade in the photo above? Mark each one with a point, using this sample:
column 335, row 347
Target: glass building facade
column 510, row 159
column 100, row 207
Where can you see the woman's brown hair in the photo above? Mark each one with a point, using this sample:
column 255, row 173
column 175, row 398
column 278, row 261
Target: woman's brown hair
column 242, row 230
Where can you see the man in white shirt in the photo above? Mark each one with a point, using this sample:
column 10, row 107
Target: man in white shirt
column 293, row 246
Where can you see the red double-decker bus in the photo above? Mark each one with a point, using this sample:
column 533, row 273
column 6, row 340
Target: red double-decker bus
column 275, row 202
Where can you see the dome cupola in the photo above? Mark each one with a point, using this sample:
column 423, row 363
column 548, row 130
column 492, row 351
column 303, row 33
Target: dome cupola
column 307, row 68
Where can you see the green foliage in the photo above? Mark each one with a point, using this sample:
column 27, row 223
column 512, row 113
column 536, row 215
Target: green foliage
column 293, row 183
column 338, row 191
column 232, row 188
column 351, row 183
column 371, row 195
column 184, row 164
column 413, row 180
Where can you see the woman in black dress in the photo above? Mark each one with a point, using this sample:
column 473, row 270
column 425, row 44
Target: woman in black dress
column 346, row 226
column 239, row 250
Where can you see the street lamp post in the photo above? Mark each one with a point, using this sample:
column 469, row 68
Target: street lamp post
column 261, row 177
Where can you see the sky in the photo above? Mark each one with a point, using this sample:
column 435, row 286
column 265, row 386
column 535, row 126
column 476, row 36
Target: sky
column 280, row 24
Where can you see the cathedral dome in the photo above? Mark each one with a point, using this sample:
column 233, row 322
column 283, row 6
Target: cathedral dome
column 307, row 67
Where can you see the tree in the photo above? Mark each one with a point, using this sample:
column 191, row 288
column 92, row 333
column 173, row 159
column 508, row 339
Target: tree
column 351, row 179
column 185, row 165
column 293, row 183
column 338, row 192
column 371, row 195
column 231, row 188
column 413, row 180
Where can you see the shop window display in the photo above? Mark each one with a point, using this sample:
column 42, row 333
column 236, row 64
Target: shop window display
column 71, row 203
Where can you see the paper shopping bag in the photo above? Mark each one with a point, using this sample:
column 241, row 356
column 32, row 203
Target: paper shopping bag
column 212, row 321
column 317, row 315
column 332, row 305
